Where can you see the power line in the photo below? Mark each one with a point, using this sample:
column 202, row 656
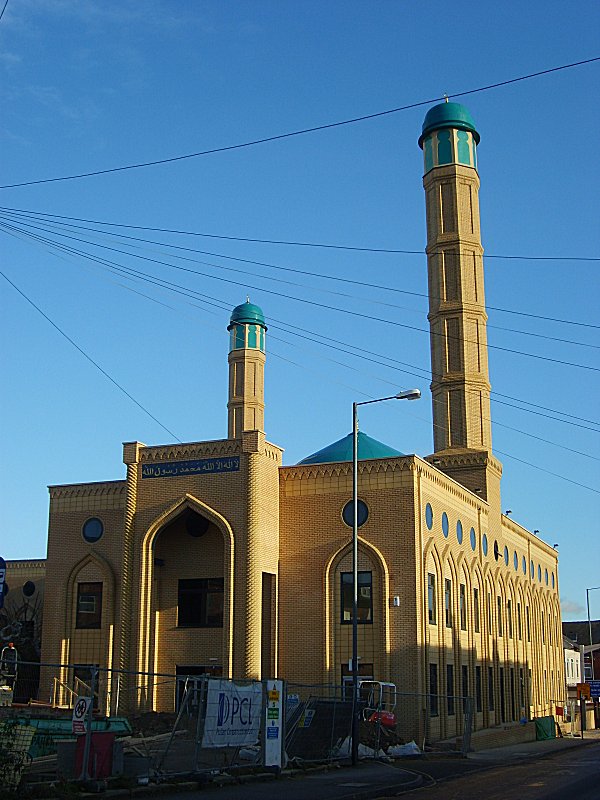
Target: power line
column 185, row 291
column 330, row 307
column 3, row 9
column 508, row 455
column 71, row 228
column 39, row 216
column 428, row 374
column 548, row 472
column 352, row 248
column 300, row 132
column 88, row 357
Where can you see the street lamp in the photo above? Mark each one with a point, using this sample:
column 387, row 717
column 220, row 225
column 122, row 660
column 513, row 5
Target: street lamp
column 587, row 597
column 409, row 394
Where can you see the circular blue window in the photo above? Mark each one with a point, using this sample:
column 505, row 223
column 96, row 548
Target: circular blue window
column 445, row 526
column 92, row 529
column 459, row 532
column 506, row 555
column 524, row 564
column 429, row 516
column 485, row 544
column 474, row 540
column 348, row 513
column 539, row 573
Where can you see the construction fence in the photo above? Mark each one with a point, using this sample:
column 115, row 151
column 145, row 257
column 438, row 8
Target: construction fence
column 208, row 724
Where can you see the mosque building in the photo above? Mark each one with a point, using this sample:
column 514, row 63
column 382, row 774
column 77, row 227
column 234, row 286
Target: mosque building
column 212, row 557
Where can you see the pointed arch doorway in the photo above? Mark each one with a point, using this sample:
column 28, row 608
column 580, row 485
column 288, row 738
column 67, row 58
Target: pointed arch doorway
column 186, row 600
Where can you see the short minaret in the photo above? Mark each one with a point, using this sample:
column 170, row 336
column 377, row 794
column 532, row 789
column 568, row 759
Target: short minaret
column 246, row 406
column 460, row 384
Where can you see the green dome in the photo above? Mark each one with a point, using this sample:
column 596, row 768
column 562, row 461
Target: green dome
column 448, row 115
column 247, row 313
column 342, row 451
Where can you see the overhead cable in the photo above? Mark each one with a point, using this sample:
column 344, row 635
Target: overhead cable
column 302, row 131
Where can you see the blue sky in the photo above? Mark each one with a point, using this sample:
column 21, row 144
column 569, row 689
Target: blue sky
column 92, row 85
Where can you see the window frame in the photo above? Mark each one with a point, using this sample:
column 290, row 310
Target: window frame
column 499, row 626
column 344, row 608
column 198, row 614
column 476, row 617
column 450, row 690
column 89, row 591
column 434, row 710
column 448, row 602
column 431, row 598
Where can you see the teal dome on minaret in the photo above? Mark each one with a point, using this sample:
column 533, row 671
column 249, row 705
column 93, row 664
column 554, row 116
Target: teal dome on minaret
column 448, row 115
column 247, row 327
column 449, row 137
column 247, row 314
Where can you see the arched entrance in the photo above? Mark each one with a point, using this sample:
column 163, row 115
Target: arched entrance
column 186, row 594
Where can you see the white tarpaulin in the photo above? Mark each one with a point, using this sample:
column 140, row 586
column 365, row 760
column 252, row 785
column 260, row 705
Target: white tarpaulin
column 233, row 713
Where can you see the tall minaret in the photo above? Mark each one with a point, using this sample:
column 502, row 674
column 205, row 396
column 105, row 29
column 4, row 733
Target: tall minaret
column 460, row 384
column 246, row 406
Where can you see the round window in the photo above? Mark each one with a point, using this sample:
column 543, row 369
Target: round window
column 29, row 588
column 516, row 561
column 92, row 529
column 524, row 565
column 506, row 555
column 459, row 532
column 445, row 526
column 532, row 569
column 348, row 513
column 429, row 516
column 539, row 573
column 474, row 540
column 485, row 544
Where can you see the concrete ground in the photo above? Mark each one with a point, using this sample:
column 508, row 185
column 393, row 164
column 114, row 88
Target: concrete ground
column 372, row 779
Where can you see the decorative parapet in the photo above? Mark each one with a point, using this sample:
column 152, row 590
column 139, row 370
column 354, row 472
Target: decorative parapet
column 88, row 496
column 189, row 450
column 465, row 459
column 434, row 474
column 25, row 565
column 337, row 476
column 509, row 524
column 93, row 489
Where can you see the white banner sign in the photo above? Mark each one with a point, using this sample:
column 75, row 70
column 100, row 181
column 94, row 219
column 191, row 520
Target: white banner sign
column 233, row 713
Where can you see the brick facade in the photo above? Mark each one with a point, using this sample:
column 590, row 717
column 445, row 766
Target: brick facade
column 453, row 589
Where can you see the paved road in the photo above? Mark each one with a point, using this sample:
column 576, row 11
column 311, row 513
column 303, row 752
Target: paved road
column 571, row 773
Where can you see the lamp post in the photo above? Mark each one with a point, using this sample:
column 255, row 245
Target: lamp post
column 587, row 597
column 409, row 394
